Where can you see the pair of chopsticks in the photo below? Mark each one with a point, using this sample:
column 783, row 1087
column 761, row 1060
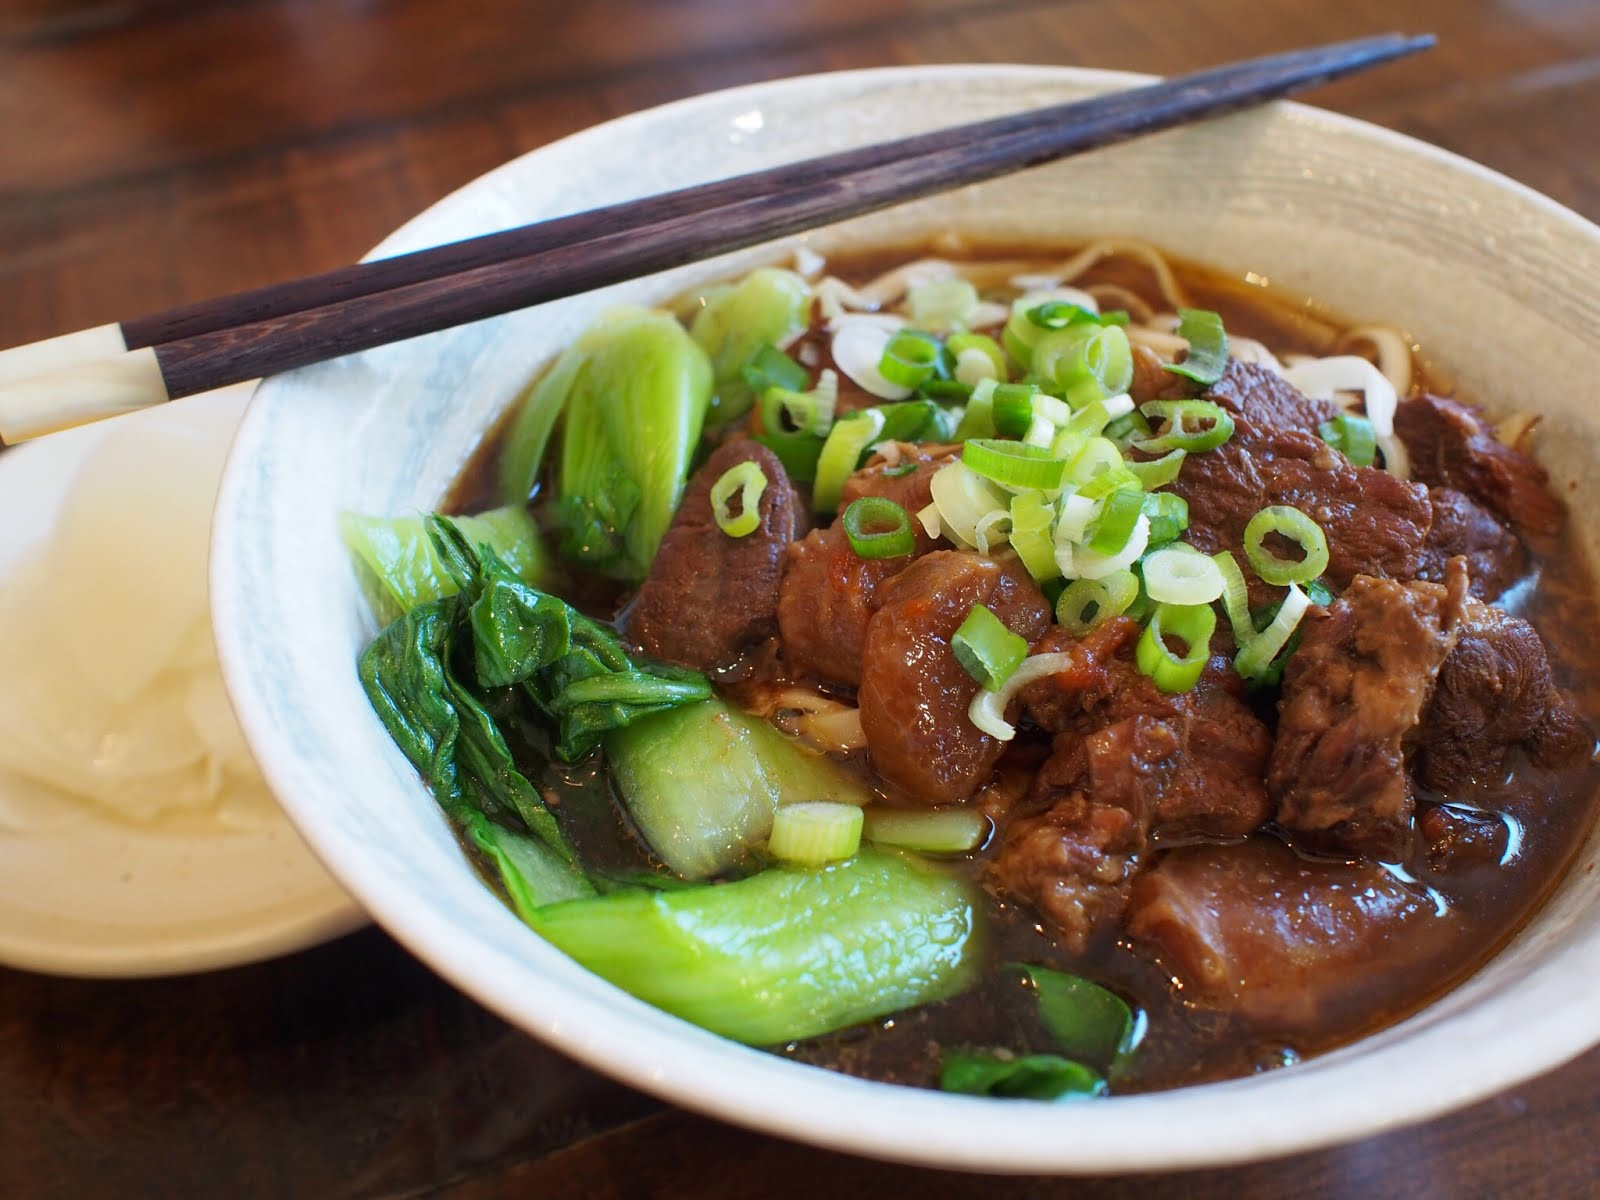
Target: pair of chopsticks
column 95, row 373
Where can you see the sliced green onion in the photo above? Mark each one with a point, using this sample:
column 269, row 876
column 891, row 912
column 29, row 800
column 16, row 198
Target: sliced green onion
column 1354, row 436
column 1097, row 456
column 1169, row 516
column 978, row 419
column 1114, row 480
column 1087, row 604
column 1192, row 425
column 1235, row 597
column 1093, row 418
column 1077, row 511
column 1090, row 564
column 986, row 649
column 1129, row 429
column 1014, row 464
column 785, row 411
column 841, row 454
column 909, row 358
column 932, row 831
column 1298, row 528
column 1013, row 408
column 1031, row 519
column 1058, row 314
column 1207, row 361
column 963, row 498
column 878, row 528
column 1192, row 624
column 962, row 343
column 1119, row 513
column 942, row 303
column 1254, row 661
column 1159, row 472
column 750, row 481
column 814, row 832
column 1180, row 574
column 770, row 367
column 1096, row 353
column 909, row 420
column 798, row 452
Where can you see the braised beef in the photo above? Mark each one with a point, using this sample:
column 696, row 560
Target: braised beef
column 1353, row 695
column 914, row 694
column 1376, row 524
column 1494, row 694
column 1456, row 839
column 1462, row 526
column 1453, row 445
column 1266, row 398
column 824, row 602
column 1288, row 943
column 710, row 595
column 1177, row 765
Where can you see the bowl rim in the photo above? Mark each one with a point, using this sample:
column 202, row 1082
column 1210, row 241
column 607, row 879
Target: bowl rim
column 687, row 1066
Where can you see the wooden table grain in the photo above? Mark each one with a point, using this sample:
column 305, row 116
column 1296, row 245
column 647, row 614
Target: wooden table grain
column 158, row 151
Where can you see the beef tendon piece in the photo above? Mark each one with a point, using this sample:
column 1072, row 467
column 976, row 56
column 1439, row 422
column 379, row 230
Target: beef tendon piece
column 1265, row 398
column 1453, row 445
column 1495, row 694
column 825, row 600
column 914, row 693
column 1375, row 523
column 710, row 595
column 1291, row 945
column 1353, row 695
column 1496, row 559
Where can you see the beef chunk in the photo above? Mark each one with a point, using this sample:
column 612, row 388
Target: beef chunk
column 1073, row 852
column 827, row 593
column 1376, row 524
column 1291, row 945
column 824, row 602
column 1453, row 445
column 1352, row 697
column 1494, row 693
column 1495, row 557
column 1266, row 398
column 710, row 595
column 1459, row 838
column 914, row 694
column 1131, row 764
column 1152, row 381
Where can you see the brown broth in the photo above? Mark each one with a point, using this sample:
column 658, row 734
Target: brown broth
column 1479, row 908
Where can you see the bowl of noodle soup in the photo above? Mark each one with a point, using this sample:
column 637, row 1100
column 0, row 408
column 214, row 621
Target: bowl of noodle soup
column 1415, row 246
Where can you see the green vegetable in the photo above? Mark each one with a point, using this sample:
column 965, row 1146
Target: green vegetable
column 1087, row 604
column 1192, row 624
column 785, row 954
column 532, row 874
column 847, row 441
column 1168, row 513
column 1291, row 523
column 1025, row 1077
column 400, row 569
column 1158, row 472
column 1354, row 436
column 1207, row 361
column 702, row 782
column 1109, row 532
column 634, row 411
column 930, row 830
column 771, row 368
column 750, row 481
column 1084, row 353
column 1014, row 464
column 768, row 307
column 540, row 407
column 1090, row 1024
column 798, row 452
column 815, row 832
column 986, row 649
column 878, row 528
column 910, row 358
column 1190, row 425
column 1011, row 408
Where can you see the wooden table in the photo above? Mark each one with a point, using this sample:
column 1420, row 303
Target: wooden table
column 157, row 151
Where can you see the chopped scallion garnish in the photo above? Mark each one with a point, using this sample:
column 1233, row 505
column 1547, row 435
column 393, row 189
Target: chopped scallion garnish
column 1353, row 436
column 878, row 528
column 815, row 832
column 1235, row 597
column 1169, row 516
column 986, row 649
column 1119, row 513
column 1012, row 407
column 1289, row 523
column 841, row 454
column 787, row 411
column 750, row 481
column 1192, row 425
column 1191, row 624
column 1254, row 661
column 959, row 344
column 1087, row 604
column 1159, row 472
column 909, row 358
column 1014, row 464
column 770, row 367
column 932, row 831
column 1208, row 346
column 1032, row 517
column 1179, row 574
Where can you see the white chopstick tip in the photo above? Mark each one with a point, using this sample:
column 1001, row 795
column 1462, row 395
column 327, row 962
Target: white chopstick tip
column 57, row 353
column 78, row 395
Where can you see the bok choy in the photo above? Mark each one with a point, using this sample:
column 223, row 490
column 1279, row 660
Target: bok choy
column 767, row 308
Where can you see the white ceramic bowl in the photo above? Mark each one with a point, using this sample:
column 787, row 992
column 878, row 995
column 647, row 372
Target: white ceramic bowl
column 1499, row 284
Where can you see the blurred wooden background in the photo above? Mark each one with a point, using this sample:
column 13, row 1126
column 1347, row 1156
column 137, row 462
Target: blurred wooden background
column 157, row 151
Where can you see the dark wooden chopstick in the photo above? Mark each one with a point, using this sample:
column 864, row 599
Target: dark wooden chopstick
column 206, row 345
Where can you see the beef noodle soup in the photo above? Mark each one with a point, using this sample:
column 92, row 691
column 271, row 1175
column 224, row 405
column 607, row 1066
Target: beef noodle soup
column 1031, row 673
